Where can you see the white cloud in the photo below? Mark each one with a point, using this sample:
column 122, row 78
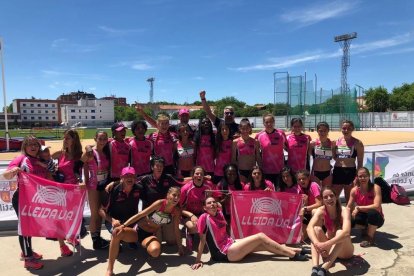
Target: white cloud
column 141, row 66
column 66, row 46
column 318, row 12
column 199, row 78
column 289, row 61
column 119, row 32
column 53, row 73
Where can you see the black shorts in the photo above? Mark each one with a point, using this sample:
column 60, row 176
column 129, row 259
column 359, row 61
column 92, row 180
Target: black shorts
column 245, row 173
column 219, row 257
column 372, row 217
column 343, row 176
column 142, row 234
column 321, row 175
column 306, row 218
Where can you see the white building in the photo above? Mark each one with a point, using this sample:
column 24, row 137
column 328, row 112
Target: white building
column 37, row 112
column 88, row 113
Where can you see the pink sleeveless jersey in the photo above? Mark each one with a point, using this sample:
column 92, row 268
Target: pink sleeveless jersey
column 297, row 148
column 164, row 146
column 365, row 199
column 102, row 163
column 192, row 197
column 223, row 157
column 66, row 167
column 140, row 155
column 245, row 148
column 271, row 145
column 216, row 225
column 119, row 157
column 29, row 165
column 205, row 154
column 93, row 179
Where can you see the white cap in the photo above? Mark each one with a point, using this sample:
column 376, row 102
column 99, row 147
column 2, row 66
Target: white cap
column 42, row 148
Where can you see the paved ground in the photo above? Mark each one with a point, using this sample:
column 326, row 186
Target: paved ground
column 392, row 256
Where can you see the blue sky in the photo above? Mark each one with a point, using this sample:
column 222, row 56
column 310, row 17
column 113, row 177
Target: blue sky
column 228, row 48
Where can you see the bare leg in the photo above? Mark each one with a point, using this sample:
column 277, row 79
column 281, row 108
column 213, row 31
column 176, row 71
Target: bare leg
column 371, row 232
column 192, row 228
column 128, row 235
column 153, row 246
column 343, row 249
column 94, row 204
column 327, row 181
column 254, row 243
column 347, row 192
column 322, row 238
column 338, row 189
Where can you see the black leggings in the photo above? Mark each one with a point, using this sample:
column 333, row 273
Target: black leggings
column 372, row 217
column 25, row 242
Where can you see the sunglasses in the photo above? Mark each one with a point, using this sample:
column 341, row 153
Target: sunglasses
column 229, row 113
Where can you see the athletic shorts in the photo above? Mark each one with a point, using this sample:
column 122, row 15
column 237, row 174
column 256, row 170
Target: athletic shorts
column 372, row 217
column 142, row 234
column 343, row 176
column 322, row 175
column 219, row 257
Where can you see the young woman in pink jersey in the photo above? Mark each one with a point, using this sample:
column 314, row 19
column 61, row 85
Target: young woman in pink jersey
column 143, row 226
column 348, row 153
column 70, row 168
column 96, row 175
column 141, row 148
column 311, row 196
column 223, row 151
column 204, row 140
column 193, row 194
column 119, row 150
column 321, row 151
column 246, row 150
column 258, row 182
column 297, row 145
column 365, row 202
column 164, row 143
column 335, row 242
column 272, row 142
column 287, row 182
column 185, row 152
column 212, row 229
column 28, row 162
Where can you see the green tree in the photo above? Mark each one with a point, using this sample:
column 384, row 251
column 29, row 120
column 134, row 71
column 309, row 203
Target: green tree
column 402, row 98
column 377, row 99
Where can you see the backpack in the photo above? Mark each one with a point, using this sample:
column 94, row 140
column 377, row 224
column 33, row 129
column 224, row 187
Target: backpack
column 399, row 195
column 385, row 189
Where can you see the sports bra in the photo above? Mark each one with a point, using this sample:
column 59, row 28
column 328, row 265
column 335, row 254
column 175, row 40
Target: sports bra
column 322, row 152
column 160, row 217
column 344, row 151
column 185, row 152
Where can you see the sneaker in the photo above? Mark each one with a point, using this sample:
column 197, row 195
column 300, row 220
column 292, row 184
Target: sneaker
column 305, row 251
column 31, row 263
column 35, row 256
column 100, row 243
column 299, row 257
column 321, row 272
column 65, row 251
column 74, row 242
column 315, row 270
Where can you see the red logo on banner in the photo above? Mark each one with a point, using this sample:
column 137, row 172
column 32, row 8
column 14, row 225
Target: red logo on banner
column 273, row 213
column 49, row 209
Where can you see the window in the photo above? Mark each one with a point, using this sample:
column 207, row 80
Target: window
column 92, row 117
column 93, row 111
column 80, row 117
column 38, row 105
column 39, row 111
column 46, row 105
column 25, row 118
column 31, row 111
column 54, row 118
column 53, row 105
column 40, row 118
column 53, row 111
column 72, row 110
column 24, row 111
column 86, row 117
column 47, row 118
column 32, row 118
column 73, row 117
column 32, row 105
column 24, row 104
column 86, row 111
column 46, row 111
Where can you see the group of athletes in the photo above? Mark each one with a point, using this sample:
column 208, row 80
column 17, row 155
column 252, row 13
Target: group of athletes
column 184, row 175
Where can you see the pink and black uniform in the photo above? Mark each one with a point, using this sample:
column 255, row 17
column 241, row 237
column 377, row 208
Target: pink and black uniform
column 205, row 154
column 344, row 150
column 372, row 216
column 223, row 157
column 313, row 191
column 297, row 148
column 245, row 148
column 164, row 147
column 31, row 165
column 319, row 151
column 273, row 159
column 119, row 151
column 268, row 184
column 141, row 151
column 218, row 241
column 192, row 196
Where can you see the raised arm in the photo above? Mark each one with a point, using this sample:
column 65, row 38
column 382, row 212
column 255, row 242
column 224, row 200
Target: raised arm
column 140, row 109
column 206, row 107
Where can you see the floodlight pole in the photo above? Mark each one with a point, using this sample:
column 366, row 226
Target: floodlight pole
column 151, row 81
column 6, row 123
column 345, row 41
